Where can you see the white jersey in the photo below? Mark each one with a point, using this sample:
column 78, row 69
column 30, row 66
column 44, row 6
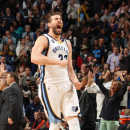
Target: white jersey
column 58, row 51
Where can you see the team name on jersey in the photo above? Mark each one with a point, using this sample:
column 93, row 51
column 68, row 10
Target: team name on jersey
column 59, row 48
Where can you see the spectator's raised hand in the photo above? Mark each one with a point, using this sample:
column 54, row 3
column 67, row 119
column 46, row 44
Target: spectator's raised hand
column 106, row 75
column 17, row 6
column 119, row 73
column 2, row 69
column 121, row 49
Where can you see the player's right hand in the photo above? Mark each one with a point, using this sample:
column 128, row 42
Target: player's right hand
column 77, row 85
column 63, row 63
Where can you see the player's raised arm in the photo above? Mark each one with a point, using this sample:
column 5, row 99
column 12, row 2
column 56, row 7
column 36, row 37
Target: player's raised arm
column 37, row 58
column 71, row 73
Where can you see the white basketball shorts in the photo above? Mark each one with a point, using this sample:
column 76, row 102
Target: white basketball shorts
column 59, row 98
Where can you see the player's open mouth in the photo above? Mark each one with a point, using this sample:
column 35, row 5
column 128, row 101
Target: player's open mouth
column 59, row 27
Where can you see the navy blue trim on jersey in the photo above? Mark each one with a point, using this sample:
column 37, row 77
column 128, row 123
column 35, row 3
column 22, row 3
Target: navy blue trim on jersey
column 66, row 44
column 62, row 39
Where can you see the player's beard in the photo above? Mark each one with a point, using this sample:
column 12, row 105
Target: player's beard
column 54, row 29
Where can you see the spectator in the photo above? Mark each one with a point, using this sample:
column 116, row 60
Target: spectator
column 27, row 74
column 26, row 100
column 33, row 107
column 124, row 37
column 11, row 46
column 54, row 3
column 127, row 27
column 41, row 30
column 113, row 24
column 98, row 52
column 31, row 92
column 114, row 57
column 19, row 30
column 37, row 17
column 20, row 71
column 87, row 104
column 82, row 59
column 27, row 31
column 85, row 41
column 111, row 10
column 91, row 59
column 40, row 121
column 20, row 19
column 72, row 11
column 106, row 16
column 27, row 5
column 119, row 40
column 29, row 43
column 96, row 24
column 8, row 18
column 58, row 7
column 43, row 11
column 23, row 59
column 7, row 67
column 121, row 24
column 124, row 60
column 71, row 37
column 48, row 6
column 99, row 95
column 111, row 103
column 8, row 55
column 103, row 35
column 8, row 36
column 21, row 47
column 106, row 27
column 14, row 7
column 31, row 22
column 14, row 34
column 123, row 12
column 116, row 4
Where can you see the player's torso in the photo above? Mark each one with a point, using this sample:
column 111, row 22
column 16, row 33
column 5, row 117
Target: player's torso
column 58, row 51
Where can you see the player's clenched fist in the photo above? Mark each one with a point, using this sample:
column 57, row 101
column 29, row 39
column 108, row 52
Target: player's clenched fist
column 77, row 85
column 63, row 63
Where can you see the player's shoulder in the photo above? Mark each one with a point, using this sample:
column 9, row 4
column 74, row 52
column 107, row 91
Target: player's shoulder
column 42, row 40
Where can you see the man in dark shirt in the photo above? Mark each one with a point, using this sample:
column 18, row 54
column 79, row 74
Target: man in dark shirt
column 32, row 108
column 8, row 18
column 96, row 25
column 124, row 60
column 98, row 52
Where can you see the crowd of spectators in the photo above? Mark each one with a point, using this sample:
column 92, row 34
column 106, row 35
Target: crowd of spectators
column 100, row 42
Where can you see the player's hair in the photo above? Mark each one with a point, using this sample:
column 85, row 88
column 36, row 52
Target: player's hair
column 51, row 14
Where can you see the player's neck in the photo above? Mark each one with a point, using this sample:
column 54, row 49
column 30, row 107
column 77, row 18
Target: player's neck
column 56, row 37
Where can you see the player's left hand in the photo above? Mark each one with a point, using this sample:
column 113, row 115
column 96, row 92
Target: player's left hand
column 77, row 85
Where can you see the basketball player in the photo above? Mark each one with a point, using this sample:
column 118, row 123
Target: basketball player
column 57, row 93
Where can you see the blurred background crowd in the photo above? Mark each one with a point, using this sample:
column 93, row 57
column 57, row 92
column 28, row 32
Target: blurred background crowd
column 99, row 31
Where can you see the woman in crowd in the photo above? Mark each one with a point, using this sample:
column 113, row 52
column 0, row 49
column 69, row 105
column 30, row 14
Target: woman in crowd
column 20, row 71
column 111, row 103
column 127, row 27
column 71, row 37
column 113, row 24
column 31, row 92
